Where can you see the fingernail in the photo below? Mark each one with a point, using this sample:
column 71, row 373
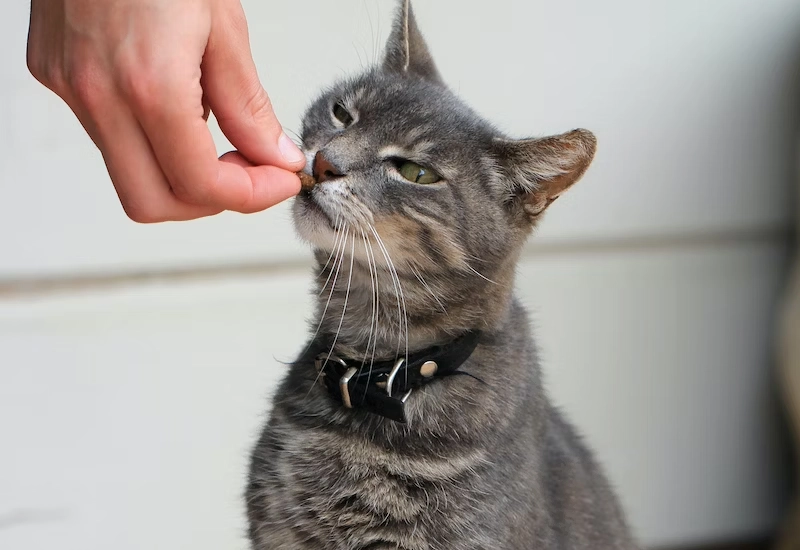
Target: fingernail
column 289, row 150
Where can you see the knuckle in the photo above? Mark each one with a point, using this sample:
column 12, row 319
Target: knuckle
column 49, row 74
column 138, row 89
column 85, row 83
column 36, row 67
column 141, row 86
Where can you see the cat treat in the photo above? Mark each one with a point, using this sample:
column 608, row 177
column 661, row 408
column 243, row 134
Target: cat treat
column 306, row 182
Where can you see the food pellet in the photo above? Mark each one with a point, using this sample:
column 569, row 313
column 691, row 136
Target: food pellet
column 306, row 181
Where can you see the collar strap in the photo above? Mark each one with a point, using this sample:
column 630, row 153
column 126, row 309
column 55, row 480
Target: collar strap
column 385, row 388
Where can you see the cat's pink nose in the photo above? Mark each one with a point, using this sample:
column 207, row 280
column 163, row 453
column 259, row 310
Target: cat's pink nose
column 324, row 169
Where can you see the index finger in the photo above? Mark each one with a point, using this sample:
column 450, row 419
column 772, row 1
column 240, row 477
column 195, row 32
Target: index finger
column 174, row 124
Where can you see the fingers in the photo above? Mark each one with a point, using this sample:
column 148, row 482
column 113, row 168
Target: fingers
column 142, row 188
column 138, row 178
column 169, row 102
column 133, row 78
column 240, row 104
column 271, row 185
column 173, row 122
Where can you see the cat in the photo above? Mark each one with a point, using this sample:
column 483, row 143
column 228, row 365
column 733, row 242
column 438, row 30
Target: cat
column 416, row 418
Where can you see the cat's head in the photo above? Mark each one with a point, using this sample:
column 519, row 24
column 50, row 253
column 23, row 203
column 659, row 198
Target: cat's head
column 399, row 156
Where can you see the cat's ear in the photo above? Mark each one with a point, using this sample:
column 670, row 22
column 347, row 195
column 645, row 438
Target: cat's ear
column 406, row 51
column 540, row 170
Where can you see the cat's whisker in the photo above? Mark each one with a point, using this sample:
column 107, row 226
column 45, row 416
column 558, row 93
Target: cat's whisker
column 372, row 286
column 344, row 307
column 419, row 277
column 377, row 308
column 339, row 251
column 481, row 275
column 338, row 267
column 295, row 137
column 373, row 325
column 372, row 33
column 394, row 283
column 404, row 319
column 475, row 258
column 336, row 229
column 360, row 60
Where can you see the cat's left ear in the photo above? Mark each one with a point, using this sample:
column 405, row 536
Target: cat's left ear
column 406, row 51
column 541, row 170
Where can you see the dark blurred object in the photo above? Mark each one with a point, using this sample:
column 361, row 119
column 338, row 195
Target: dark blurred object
column 789, row 379
column 789, row 376
column 752, row 545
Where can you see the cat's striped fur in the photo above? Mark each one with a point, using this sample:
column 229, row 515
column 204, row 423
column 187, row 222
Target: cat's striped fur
column 484, row 462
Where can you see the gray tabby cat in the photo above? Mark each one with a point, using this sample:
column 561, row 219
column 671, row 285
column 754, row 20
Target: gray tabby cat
column 417, row 223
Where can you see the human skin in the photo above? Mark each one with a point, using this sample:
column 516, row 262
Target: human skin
column 142, row 76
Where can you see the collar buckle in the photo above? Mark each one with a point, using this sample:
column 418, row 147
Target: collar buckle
column 383, row 388
column 344, row 386
column 393, row 374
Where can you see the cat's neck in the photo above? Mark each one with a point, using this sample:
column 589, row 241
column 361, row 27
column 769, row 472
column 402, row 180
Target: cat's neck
column 369, row 313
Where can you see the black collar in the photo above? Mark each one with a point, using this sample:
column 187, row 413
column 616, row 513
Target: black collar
column 385, row 388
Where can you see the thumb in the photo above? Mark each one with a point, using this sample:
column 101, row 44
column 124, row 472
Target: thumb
column 235, row 95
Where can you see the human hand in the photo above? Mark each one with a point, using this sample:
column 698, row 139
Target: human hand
column 141, row 75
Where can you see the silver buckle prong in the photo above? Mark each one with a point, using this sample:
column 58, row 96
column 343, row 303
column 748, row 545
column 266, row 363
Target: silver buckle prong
column 322, row 359
column 392, row 374
column 344, row 388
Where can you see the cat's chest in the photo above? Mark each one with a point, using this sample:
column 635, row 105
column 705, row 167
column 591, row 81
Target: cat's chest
column 362, row 495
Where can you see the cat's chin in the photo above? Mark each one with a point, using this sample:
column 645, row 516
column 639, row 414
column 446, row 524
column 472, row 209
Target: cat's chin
column 312, row 222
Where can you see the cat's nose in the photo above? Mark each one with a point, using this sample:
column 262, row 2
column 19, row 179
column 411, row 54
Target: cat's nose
column 324, row 169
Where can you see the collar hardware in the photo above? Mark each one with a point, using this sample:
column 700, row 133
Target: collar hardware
column 384, row 389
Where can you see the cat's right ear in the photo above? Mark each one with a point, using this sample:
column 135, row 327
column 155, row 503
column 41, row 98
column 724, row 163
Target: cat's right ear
column 540, row 170
column 406, row 51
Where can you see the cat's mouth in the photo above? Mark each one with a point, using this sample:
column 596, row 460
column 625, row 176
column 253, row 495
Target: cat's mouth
column 305, row 194
column 312, row 219
column 312, row 205
column 330, row 209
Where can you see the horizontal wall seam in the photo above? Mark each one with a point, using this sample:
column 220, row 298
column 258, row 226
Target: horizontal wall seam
column 59, row 284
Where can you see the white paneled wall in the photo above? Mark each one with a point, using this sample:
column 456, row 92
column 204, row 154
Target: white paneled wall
column 694, row 105
column 127, row 410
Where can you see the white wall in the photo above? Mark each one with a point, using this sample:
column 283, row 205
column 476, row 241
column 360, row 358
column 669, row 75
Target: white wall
column 127, row 409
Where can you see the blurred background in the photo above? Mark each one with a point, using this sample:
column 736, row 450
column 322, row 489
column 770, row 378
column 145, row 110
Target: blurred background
column 137, row 361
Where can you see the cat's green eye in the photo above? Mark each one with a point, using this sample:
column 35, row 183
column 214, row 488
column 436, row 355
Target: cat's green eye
column 341, row 114
column 418, row 174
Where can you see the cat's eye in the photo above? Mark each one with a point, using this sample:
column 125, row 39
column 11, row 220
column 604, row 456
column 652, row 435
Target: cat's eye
column 341, row 114
column 415, row 173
